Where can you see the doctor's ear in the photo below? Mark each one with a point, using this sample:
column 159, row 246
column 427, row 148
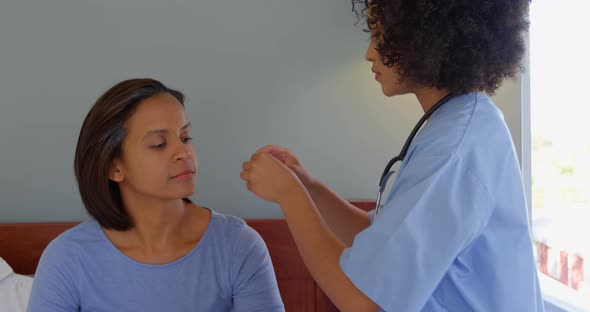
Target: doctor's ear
column 116, row 172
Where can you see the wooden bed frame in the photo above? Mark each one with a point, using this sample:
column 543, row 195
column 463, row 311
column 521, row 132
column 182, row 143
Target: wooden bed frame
column 21, row 245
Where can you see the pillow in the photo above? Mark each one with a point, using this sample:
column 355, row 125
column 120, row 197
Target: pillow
column 14, row 289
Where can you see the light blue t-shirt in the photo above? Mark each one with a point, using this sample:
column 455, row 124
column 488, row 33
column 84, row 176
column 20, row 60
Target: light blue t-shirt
column 228, row 270
column 454, row 232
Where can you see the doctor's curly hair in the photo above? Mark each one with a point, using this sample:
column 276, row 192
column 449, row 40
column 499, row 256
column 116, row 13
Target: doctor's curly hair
column 461, row 45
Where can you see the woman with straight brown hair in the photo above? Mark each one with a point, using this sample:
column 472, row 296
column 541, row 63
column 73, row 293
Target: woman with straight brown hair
column 147, row 247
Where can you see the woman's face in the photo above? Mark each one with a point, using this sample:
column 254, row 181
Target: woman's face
column 158, row 159
column 388, row 77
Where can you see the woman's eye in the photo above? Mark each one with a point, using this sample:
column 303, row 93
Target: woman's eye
column 186, row 140
column 160, row 146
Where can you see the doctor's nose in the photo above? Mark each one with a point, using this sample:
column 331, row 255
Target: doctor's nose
column 371, row 54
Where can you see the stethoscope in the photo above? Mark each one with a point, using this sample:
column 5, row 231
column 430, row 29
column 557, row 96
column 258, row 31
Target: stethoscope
column 387, row 173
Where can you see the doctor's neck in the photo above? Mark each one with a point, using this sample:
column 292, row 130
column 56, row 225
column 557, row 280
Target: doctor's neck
column 428, row 97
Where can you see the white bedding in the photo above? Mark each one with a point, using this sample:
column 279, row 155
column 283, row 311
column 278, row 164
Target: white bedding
column 14, row 289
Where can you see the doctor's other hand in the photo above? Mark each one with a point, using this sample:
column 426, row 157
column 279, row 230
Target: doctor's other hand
column 268, row 178
column 285, row 156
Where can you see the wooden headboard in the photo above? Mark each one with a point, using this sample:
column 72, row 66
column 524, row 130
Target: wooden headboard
column 21, row 245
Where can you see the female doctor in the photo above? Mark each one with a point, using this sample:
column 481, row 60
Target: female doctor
column 453, row 232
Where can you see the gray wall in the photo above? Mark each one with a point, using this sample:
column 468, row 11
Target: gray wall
column 255, row 72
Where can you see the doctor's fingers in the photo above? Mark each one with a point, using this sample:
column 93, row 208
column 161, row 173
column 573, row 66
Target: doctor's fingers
column 250, row 170
column 252, row 164
column 250, row 186
column 262, row 160
column 283, row 154
column 272, row 149
column 252, row 179
column 244, row 175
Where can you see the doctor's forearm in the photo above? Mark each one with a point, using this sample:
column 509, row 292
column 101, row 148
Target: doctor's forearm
column 343, row 218
column 321, row 250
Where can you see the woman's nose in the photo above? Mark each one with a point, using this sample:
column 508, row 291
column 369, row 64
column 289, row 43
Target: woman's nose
column 183, row 155
column 183, row 152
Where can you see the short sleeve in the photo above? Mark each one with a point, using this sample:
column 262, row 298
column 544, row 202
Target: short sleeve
column 254, row 283
column 53, row 285
column 437, row 207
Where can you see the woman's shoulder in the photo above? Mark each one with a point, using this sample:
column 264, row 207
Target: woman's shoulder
column 232, row 228
column 70, row 241
column 226, row 220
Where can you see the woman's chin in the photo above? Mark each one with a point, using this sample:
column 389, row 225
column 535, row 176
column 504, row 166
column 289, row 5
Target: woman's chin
column 185, row 191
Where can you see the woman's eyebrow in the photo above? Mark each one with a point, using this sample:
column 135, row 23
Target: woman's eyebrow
column 160, row 131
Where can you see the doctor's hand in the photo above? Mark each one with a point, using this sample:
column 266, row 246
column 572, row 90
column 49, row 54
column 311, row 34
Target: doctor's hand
column 268, row 178
column 287, row 158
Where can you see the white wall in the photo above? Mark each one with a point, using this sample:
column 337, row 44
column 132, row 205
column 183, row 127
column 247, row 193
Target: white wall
column 255, row 72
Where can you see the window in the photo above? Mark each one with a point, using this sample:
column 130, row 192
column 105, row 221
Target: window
column 560, row 142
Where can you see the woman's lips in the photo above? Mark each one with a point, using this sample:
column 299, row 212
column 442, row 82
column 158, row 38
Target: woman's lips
column 184, row 175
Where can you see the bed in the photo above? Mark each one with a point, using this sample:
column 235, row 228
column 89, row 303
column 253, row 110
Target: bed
column 21, row 245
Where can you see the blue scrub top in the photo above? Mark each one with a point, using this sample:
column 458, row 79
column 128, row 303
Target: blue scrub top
column 453, row 234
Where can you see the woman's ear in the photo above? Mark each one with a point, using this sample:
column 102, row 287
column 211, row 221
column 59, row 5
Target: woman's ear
column 116, row 172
